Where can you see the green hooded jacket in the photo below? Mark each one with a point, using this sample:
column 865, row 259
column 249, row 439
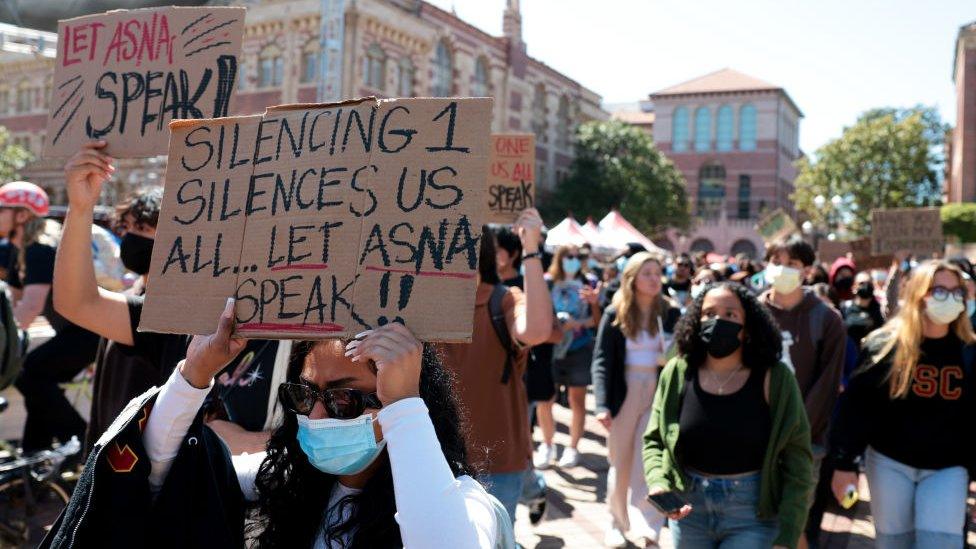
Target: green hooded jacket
column 787, row 472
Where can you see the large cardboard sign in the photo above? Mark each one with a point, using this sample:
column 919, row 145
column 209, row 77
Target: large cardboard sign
column 324, row 220
column 775, row 225
column 123, row 75
column 511, row 176
column 864, row 259
column 829, row 250
column 917, row 230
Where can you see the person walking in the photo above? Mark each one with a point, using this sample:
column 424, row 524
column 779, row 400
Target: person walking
column 630, row 345
column 910, row 406
column 728, row 431
column 576, row 302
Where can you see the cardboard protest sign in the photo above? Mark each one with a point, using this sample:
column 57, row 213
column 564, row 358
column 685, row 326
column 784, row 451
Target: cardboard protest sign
column 829, row 250
column 864, row 259
column 775, row 225
column 917, row 230
column 123, row 75
column 511, row 176
column 324, row 220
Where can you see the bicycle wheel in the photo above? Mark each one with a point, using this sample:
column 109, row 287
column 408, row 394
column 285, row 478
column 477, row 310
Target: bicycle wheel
column 24, row 521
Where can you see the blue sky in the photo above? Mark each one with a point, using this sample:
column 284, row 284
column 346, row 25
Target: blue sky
column 836, row 58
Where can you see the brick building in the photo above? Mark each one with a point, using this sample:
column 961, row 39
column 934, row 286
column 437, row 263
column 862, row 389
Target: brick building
column 735, row 138
column 388, row 48
column 961, row 161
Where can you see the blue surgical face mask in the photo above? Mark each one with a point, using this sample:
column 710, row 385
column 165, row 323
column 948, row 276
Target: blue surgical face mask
column 970, row 307
column 571, row 265
column 621, row 263
column 339, row 446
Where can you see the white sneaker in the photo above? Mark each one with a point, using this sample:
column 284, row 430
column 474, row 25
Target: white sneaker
column 569, row 459
column 614, row 538
column 544, row 456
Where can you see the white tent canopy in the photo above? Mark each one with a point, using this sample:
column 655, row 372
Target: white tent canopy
column 609, row 237
column 567, row 233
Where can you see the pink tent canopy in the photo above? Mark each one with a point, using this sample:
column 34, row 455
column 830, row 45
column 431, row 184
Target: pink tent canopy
column 567, row 232
column 616, row 230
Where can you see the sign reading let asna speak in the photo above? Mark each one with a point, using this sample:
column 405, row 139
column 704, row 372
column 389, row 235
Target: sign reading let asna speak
column 123, row 75
column 324, row 220
column 511, row 176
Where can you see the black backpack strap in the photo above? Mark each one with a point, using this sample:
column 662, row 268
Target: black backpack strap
column 497, row 314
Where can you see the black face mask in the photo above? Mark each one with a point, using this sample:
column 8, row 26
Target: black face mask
column 720, row 336
column 136, row 253
column 844, row 283
column 865, row 291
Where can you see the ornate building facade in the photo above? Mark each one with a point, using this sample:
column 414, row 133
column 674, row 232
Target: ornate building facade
column 735, row 139
column 389, row 48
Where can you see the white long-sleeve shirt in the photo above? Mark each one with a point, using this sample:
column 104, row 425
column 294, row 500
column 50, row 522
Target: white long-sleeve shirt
column 434, row 509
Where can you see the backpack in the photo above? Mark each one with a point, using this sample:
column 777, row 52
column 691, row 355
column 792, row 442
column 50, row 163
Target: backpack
column 13, row 341
column 497, row 314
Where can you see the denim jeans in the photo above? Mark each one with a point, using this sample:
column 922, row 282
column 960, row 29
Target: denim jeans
column 922, row 508
column 506, row 487
column 723, row 515
column 533, row 486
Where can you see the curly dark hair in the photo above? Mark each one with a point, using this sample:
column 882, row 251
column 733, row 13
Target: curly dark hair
column 293, row 495
column 763, row 345
column 143, row 205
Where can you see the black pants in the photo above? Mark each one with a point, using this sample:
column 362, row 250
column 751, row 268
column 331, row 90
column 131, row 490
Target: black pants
column 58, row 360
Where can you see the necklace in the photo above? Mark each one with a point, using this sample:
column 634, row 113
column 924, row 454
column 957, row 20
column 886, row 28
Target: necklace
column 722, row 384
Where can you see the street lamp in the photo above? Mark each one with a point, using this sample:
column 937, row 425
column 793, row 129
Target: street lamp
column 807, row 227
column 836, row 201
column 819, row 201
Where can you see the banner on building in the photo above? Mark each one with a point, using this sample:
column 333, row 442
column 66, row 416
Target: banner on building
column 916, row 230
column 123, row 75
column 511, row 176
column 324, row 220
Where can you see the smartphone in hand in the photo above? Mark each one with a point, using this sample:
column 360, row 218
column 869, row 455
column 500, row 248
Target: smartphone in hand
column 667, row 502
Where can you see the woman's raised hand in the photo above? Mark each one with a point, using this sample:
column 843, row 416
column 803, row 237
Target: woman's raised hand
column 208, row 355
column 84, row 174
column 397, row 355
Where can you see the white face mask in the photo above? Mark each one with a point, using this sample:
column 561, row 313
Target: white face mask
column 943, row 312
column 783, row 279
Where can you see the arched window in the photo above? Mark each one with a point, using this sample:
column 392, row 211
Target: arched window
column 405, row 72
column 563, row 122
column 443, row 82
column 702, row 245
column 723, row 130
column 481, row 86
column 310, row 62
column 745, row 196
column 374, row 69
column 747, row 127
column 746, row 247
column 703, row 129
column 711, row 190
column 679, row 130
column 539, row 112
column 271, row 68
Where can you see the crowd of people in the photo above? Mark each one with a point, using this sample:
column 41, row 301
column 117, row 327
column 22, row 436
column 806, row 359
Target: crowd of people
column 750, row 391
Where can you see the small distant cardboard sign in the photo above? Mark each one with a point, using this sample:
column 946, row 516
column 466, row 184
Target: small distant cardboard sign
column 864, row 259
column 775, row 225
column 917, row 230
column 511, row 176
column 829, row 250
column 123, row 75
column 324, row 220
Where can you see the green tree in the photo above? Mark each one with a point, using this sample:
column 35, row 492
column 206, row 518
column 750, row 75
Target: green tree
column 13, row 157
column 618, row 166
column 890, row 158
column 959, row 220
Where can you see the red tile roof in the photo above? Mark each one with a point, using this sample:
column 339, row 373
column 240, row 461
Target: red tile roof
column 724, row 80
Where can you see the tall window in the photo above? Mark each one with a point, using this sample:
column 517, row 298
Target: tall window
column 4, row 100
column 443, row 83
column 310, row 62
column 747, row 127
column 242, row 75
column 745, row 196
column 481, row 86
column 271, row 67
column 539, row 113
column 375, row 67
column 703, row 129
column 563, row 122
column 405, row 72
column 723, row 130
column 711, row 190
column 679, row 130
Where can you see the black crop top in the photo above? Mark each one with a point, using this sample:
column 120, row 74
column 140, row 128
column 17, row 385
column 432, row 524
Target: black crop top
column 724, row 434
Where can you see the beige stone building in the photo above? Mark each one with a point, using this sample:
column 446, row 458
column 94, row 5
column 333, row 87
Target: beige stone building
column 960, row 183
column 386, row 48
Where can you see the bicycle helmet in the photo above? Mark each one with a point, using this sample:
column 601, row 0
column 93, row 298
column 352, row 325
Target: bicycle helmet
column 22, row 194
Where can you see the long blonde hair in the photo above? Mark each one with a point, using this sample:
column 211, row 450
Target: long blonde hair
column 904, row 332
column 625, row 303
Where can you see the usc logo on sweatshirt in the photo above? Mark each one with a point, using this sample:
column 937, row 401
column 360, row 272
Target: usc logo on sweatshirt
column 929, row 381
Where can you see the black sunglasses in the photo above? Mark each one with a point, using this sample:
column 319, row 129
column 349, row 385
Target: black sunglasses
column 571, row 256
column 299, row 398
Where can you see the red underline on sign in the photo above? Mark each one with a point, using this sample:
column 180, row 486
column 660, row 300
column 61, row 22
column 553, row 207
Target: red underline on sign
column 436, row 274
column 304, row 267
column 282, row 327
column 510, row 156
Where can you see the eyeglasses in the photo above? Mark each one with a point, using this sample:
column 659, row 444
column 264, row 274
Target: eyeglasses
column 571, row 256
column 300, row 398
column 941, row 293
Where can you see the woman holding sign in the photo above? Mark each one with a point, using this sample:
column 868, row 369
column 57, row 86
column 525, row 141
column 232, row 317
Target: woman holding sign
column 369, row 454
